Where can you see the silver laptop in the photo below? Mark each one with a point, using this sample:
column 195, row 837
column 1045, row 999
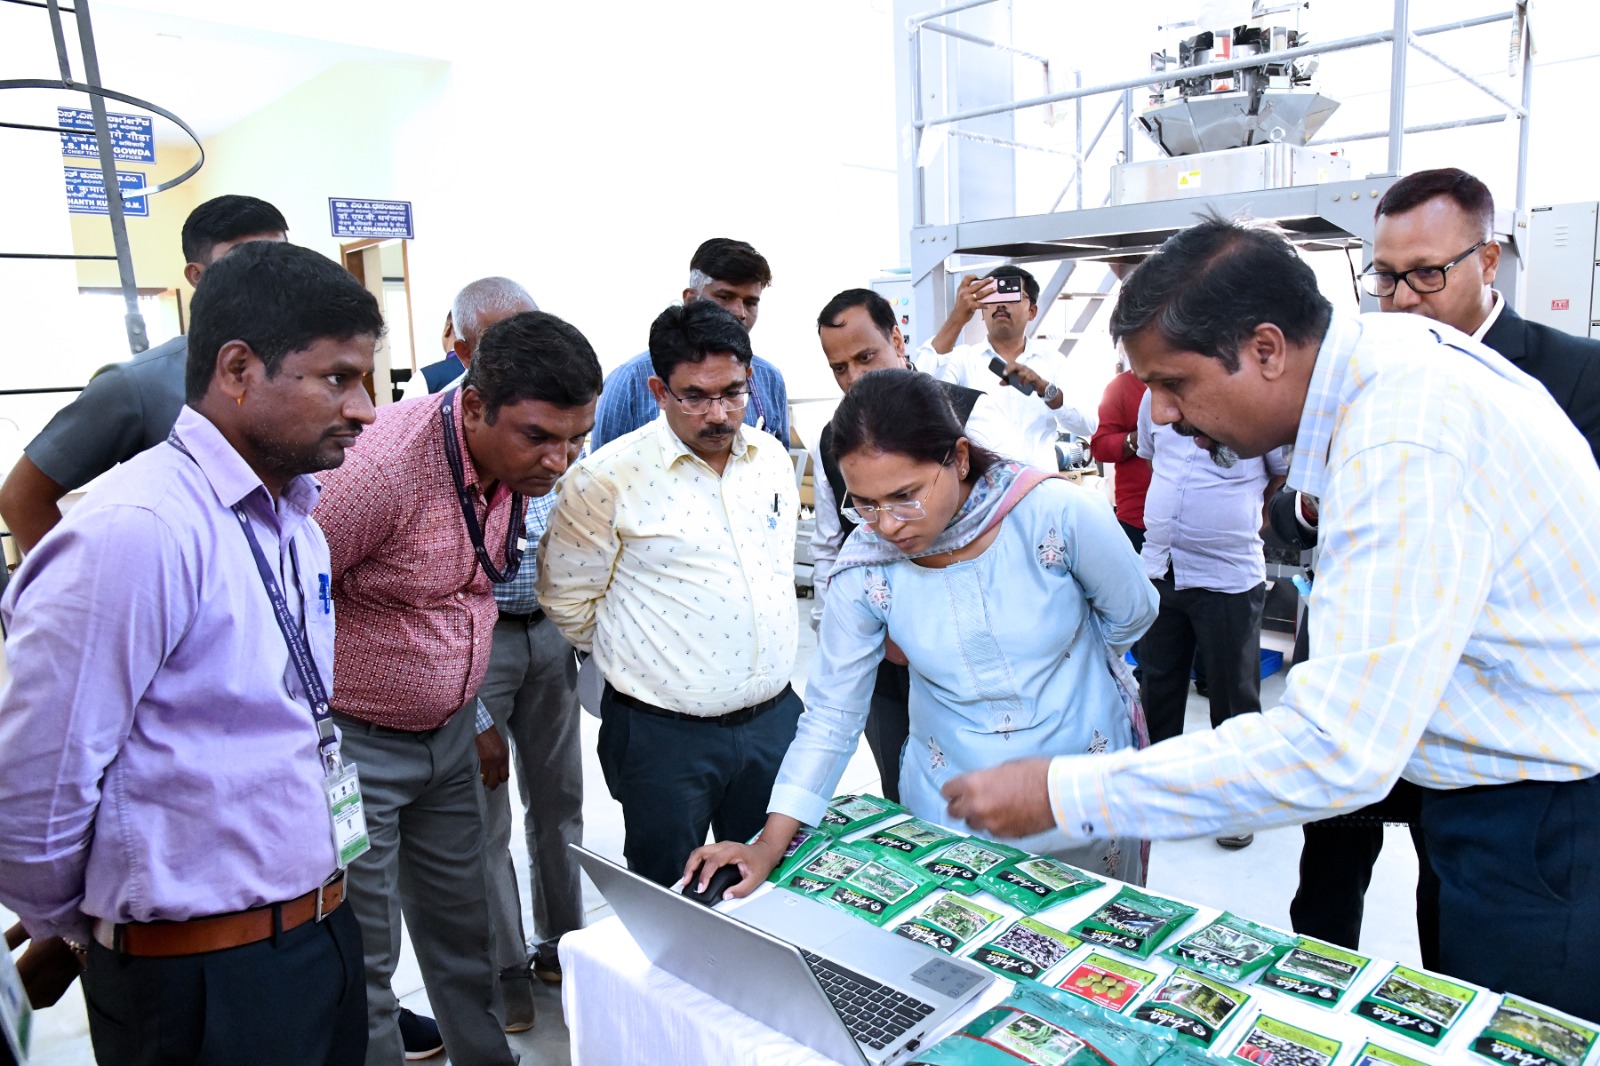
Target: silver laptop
column 848, row 989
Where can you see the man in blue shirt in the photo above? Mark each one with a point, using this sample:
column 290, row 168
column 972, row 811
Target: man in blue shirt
column 732, row 275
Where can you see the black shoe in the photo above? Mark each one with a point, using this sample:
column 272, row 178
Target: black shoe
column 1201, row 689
column 420, row 1035
column 1234, row 843
column 546, row 963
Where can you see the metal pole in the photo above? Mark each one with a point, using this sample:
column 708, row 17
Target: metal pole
column 927, row 16
column 138, row 340
column 1430, row 127
column 1077, row 129
column 1446, row 27
column 951, row 31
column 1152, row 78
column 1468, row 78
column 919, row 210
column 59, row 33
column 1399, row 46
column 1077, row 176
column 1127, row 125
column 1523, row 120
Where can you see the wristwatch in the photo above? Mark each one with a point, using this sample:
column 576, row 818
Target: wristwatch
column 1052, row 393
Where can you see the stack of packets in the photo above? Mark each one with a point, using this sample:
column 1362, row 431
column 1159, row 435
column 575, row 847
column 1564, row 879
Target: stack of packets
column 1132, row 978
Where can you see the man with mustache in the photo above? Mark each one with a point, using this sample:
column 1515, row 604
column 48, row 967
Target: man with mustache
column 165, row 742
column 1202, row 550
column 1042, row 413
column 423, row 521
column 670, row 557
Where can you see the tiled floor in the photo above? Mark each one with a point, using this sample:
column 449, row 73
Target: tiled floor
column 1256, row 882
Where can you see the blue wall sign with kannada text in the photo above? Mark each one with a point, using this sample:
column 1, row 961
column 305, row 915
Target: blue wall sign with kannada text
column 132, row 136
column 86, row 192
column 370, row 218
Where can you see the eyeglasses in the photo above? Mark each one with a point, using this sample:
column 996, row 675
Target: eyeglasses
column 907, row 511
column 731, row 402
column 1424, row 279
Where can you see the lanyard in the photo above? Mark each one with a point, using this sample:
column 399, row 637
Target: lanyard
column 469, row 512
column 299, row 653
column 761, row 410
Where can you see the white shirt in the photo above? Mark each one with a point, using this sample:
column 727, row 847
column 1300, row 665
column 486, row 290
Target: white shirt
column 987, row 425
column 1494, row 316
column 1035, row 422
column 680, row 581
column 1454, row 635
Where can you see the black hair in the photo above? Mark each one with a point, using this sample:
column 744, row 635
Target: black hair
column 534, row 356
column 903, row 412
column 689, row 332
column 1030, row 284
column 1468, row 193
column 278, row 298
column 227, row 218
column 878, row 310
column 725, row 259
column 1209, row 286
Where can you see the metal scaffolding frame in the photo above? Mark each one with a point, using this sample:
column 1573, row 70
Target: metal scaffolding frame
column 1336, row 215
column 98, row 94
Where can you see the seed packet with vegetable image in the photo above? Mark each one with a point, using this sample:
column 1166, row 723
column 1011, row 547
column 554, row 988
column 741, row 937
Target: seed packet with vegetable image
column 1106, row 981
column 1193, row 1005
column 910, row 839
column 1269, row 1042
column 1373, row 1055
column 1043, row 1028
column 804, row 844
column 1230, row 948
column 966, row 860
column 949, row 923
column 825, row 868
column 1421, row 1005
column 1134, row 922
column 846, row 814
column 1315, row 971
column 1036, row 883
column 1026, row 949
column 881, row 889
column 1522, row 1034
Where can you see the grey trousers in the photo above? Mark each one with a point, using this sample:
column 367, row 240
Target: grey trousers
column 424, row 811
column 531, row 692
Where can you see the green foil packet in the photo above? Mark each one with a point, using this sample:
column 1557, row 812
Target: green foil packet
column 802, row 846
column 881, row 889
column 1230, row 948
column 967, row 860
column 826, row 868
column 1134, row 923
column 1374, row 1055
column 1026, row 949
column 1036, row 883
column 1525, row 1034
column 846, row 814
column 1316, row 972
column 1192, row 1005
column 1423, row 1006
column 1041, row 1027
column 949, row 923
column 1270, row 1041
column 910, row 839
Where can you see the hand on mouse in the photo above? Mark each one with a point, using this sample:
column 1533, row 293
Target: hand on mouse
column 755, row 861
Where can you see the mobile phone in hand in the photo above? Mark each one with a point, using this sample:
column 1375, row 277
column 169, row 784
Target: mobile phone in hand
column 1007, row 290
column 998, row 366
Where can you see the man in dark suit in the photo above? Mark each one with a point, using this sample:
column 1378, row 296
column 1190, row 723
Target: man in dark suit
column 1434, row 254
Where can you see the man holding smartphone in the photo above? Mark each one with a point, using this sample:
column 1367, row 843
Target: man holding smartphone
column 1022, row 375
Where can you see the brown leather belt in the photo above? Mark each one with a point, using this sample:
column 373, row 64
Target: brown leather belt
column 732, row 718
column 219, row 932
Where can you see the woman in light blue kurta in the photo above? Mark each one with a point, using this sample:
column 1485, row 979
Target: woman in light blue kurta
column 1013, row 612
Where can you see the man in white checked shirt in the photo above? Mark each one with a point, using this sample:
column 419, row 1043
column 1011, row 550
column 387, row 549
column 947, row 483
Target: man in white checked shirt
column 1455, row 619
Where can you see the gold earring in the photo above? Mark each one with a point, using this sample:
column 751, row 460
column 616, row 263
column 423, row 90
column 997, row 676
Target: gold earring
column 239, row 399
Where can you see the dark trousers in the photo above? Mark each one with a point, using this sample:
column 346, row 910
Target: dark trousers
column 1225, row 628
column 1519, row 888
column 889, row 725
column 1336, row 862
column 1135, row 536
column 675, row 779
column 299, row 997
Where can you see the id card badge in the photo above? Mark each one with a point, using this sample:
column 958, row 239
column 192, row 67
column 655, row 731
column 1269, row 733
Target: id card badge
column 348, row 817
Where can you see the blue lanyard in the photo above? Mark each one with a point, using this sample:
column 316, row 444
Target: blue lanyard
column 299, row 652
column 469, row 512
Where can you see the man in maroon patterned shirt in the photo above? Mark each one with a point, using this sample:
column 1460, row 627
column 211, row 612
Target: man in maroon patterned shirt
column 419, row 525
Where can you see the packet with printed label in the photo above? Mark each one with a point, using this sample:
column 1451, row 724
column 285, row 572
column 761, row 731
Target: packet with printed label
column 1316, row 972
column 802, row 846
column 1026, row 948
column 846, row 814
column 1041, row 1027
column 967, row 860
column 826, row 868
column 881, row 889
column 1373, row 1055
column 1270, row 1041
column 1134, row 923
column 1524, row 1034
column 1194, row 1006
column 1036, row 883
column 1109, row 982
column 1230, row 948
column 910, row 839
column 949, row 923
column 1423, row 1006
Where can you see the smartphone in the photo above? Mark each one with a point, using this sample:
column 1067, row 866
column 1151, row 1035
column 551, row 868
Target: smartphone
column 1006, row 291
column 998, row 366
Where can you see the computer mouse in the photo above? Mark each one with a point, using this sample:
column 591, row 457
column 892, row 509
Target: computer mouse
column 717, row 885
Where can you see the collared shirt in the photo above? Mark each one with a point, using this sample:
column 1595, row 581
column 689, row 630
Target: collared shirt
column 1202, row 519
column 1455, row 638
column 519, row 595
column 1499, row 302
column 416, row 611
column 626, row 403
column 1036, row 423
column 1119, row 416
column 680, row 581
column 158, row 757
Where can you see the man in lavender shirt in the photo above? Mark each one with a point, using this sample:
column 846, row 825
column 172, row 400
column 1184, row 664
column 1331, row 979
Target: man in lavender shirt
column 160, row 773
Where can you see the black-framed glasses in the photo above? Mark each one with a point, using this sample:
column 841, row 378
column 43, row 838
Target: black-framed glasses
column 732, row 402
column 1423, row 279
column 904, row 511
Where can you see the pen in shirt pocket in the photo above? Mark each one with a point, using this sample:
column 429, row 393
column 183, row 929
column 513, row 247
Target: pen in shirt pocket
column 775, row 496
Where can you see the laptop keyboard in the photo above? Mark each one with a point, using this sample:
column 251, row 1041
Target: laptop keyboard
column 876, row 1014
